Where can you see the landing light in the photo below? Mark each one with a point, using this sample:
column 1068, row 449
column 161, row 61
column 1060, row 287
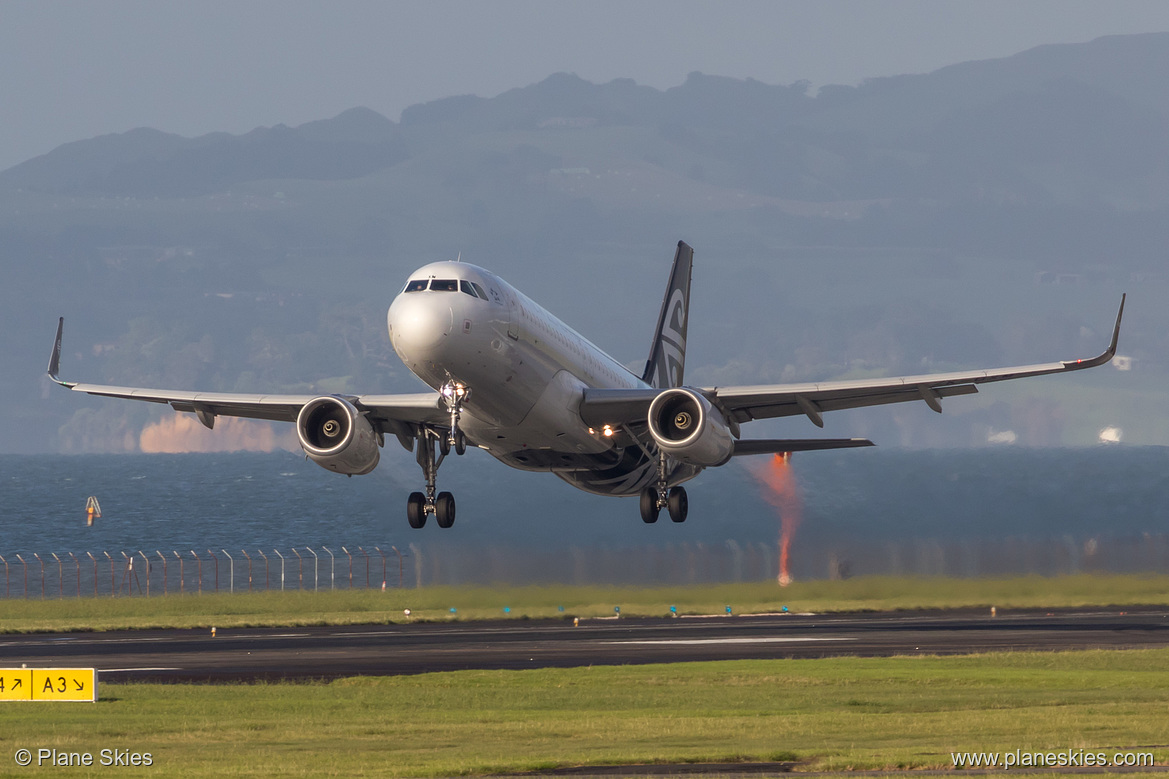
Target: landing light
column 607, row 431
column 453, row 390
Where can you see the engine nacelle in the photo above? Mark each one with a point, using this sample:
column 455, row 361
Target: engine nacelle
column 688, row 428
column 336, row 436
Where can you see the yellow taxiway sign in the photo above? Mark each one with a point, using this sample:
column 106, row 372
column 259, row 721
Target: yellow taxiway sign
column 48, row 684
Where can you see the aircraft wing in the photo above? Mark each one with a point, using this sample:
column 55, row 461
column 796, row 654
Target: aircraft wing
column 742, row 404
column 396, row 414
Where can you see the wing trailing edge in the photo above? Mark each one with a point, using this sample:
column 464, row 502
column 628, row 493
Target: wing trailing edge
column 783, row 445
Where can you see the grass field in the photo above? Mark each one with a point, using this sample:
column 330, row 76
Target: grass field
column 829, row 714
column 834, row 714
column 435, row 603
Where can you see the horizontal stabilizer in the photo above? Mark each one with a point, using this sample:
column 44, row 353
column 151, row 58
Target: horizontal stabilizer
column 780, row 445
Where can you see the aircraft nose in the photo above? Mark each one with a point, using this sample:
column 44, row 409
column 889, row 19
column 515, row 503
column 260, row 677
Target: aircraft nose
column 419, row 322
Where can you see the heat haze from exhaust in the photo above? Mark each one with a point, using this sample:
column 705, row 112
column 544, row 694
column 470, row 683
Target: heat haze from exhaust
column 782, row 492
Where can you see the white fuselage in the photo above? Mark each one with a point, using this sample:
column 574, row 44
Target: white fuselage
column 527, row 372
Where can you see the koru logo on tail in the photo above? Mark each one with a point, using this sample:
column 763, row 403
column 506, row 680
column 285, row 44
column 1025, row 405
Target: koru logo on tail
column 671, row 355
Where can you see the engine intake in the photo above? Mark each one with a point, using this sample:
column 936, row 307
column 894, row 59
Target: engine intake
column 336, row 436
column 688, row 428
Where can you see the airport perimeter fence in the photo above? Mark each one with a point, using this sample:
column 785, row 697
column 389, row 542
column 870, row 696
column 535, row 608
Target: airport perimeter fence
column 143, row 573
column 809, row 559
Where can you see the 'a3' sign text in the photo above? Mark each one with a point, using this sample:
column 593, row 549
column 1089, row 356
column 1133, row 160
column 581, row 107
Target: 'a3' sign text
column 48, row 684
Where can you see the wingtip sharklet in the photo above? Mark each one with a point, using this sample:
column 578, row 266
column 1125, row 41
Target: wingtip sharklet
column 1107, row 354
column 54, row 369
column 1116, row 328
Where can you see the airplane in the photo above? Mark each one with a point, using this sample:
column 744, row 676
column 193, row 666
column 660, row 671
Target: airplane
column 508, row 377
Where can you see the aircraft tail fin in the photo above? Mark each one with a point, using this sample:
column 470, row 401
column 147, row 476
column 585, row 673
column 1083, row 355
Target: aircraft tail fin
column 667, row 354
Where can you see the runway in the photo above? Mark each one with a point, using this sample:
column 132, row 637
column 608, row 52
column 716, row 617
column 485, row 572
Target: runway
column 247, row 654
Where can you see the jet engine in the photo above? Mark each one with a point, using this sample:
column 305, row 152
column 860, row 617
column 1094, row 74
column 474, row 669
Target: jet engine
column 688, row 428
column 336, row 436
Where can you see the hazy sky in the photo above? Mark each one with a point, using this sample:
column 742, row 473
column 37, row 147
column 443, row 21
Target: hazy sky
column 74, row 70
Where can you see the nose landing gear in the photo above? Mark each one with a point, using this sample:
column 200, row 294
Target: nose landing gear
column 456, row 394
column 421, row 505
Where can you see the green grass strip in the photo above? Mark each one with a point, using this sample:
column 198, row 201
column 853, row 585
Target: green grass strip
column 343, row 607
column 830, row 715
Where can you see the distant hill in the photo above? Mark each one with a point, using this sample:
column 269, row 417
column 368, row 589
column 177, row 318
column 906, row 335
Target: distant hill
column 1097, row 111
column 148, row 163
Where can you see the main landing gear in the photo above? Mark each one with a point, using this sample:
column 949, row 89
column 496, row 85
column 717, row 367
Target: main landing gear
column 421, row 505
column 654, row 499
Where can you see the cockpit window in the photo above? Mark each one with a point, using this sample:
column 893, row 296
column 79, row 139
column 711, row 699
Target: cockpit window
column 417, row 285
column 466, row 287
column 479, row 289
column 444, row 285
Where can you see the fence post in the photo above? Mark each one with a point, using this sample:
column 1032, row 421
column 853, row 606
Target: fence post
column 125, row 575
column 244, row 552
column 24, row 591
column 277, row 553
column 60, row 577
column 230, row 571
column 113, row 581
column 350, row 556
column 260, row 552
column 165, row 578
column 400, row 571
column 182, row 577
column 332, row 569
column 416, row 550
column 130, row 575
column 42, row 562
column 76, row 566
column 91, row 557
column 146, row 560
column 200, row 573
column 299, row 569
column 315, row 570
column 5, row 575
column 216, row 559
column 383, row 554
column 366, row 556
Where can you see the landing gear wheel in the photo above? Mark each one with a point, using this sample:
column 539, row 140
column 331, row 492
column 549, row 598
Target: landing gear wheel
column 678, row 504
column 460, row 442
column 416, row 510
column 649, row 505
column 444, row 445
column 444, row 509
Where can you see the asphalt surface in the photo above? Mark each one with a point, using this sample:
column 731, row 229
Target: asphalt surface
column 325, row 652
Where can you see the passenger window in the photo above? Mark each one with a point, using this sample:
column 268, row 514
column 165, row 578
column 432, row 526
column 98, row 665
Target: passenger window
column 465, row 286
column 415, row 286
column 479, row 289
column 444, row 285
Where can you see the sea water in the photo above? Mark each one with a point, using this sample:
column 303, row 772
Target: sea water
column 883, row 504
